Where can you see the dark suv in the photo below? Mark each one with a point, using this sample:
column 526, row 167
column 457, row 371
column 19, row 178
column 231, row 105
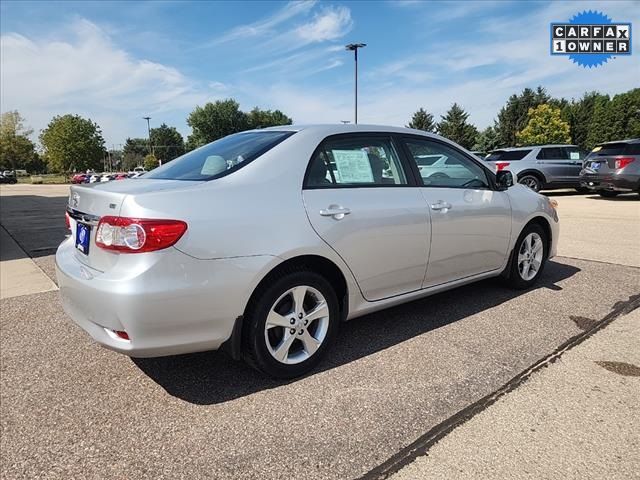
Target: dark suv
column 612, row 168
column 541, row 167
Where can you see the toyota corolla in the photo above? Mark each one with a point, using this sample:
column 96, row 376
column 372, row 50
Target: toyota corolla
column 263, row 242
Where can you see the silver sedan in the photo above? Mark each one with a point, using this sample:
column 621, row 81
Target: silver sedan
column 263, row 242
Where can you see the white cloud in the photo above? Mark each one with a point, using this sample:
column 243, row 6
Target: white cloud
column 266, row 25
column 330, row 24
column 88, row 75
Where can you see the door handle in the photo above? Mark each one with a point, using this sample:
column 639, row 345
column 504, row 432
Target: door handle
column 335, row 211
column 440, row 205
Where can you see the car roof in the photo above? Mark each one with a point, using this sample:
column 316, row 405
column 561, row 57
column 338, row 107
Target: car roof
column 629, row 140
column 331, row 129
column 531, row 147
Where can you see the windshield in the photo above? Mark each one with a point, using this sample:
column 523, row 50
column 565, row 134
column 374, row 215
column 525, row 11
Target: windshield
column 220, row 157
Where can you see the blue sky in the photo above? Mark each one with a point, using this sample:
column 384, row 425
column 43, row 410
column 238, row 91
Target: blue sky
column 116, row 62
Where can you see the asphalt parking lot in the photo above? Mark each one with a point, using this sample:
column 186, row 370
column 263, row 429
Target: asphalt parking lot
column 71, row 409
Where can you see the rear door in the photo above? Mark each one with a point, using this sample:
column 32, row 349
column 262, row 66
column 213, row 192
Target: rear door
column 470, row 222
column 555, row 164
column 364, row 203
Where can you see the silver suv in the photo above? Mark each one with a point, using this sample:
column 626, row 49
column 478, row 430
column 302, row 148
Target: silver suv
column 542, row 167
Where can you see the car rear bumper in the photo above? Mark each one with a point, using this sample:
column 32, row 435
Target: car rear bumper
column 174, row 304
column 611, row 182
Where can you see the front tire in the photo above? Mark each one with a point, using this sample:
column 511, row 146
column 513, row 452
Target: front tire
column 290, row 324
column 531, row 181
column 528, row 258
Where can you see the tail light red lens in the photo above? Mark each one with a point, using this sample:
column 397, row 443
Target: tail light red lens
column 502, row 165
column 623, row 162
column 137, row 235
column 67, row 221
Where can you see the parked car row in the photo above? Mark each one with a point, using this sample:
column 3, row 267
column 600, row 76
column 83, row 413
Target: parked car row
column 104, row 177
column 611, row 168
column 7, row 178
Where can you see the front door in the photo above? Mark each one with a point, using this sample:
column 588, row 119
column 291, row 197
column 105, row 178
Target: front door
column 360, row 200
column 470, row 222
column 556, row 164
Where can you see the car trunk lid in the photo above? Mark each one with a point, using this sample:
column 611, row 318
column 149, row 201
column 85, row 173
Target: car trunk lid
column 88, row 203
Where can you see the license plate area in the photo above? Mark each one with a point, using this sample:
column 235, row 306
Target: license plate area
column 595, row 166
column 83, row 237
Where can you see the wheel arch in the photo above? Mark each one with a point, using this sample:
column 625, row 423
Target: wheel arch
column 315, row 263
column 546, row 227
column 535, row 173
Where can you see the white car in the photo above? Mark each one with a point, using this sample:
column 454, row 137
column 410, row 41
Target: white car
column 262, row 242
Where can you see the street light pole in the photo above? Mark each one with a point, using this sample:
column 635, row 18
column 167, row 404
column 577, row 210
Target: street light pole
column 354, row 47
column 149, row 130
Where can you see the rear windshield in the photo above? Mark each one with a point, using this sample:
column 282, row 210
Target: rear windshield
column 219, row 158
column 621, row 148
column 512, row 155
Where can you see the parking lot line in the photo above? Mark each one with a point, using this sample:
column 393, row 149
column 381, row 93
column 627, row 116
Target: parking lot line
column 19, row 275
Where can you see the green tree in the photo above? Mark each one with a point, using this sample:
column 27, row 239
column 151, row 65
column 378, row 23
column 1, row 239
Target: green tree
column 214, row 121
column 513, row 116
column 167, row 143
column 580, row 114
column 133, row 153
column 422, row 120
column 257, row 118
column 454, row 126
column 487, row 140
column 624, row 113
column 545, row 125
column 17, row 151
column 150, row 162
column 72, row 143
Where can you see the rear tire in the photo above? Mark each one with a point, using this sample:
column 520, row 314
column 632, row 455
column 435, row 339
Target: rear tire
column 290, row 324
column 608, row 194
column 531, row 181
column 528, row 258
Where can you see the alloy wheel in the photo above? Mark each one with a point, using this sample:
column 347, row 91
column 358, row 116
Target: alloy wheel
column 530, row 256
column 531, row 182
column 296, row 325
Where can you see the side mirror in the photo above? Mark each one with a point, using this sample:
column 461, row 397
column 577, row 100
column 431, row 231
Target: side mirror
column 504, row 180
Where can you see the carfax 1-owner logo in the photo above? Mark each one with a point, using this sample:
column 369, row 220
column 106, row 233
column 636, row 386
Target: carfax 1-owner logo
column 591, row 38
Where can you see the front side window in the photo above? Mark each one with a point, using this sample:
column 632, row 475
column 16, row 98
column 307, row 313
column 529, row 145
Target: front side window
column 450, row 169
column 552, row 153
column 220, row 157
column 574, row 153
column 357, row 162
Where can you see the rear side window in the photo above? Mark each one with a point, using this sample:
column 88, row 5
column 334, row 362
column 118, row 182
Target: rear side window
column 504, row 155
column 610, row 149
column 219, row 158
column 357, row 162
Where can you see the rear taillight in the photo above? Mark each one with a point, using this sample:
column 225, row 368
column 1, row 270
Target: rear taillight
column 622, row 162
column 501, row 165
column 135, row 235
column 67, row 221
